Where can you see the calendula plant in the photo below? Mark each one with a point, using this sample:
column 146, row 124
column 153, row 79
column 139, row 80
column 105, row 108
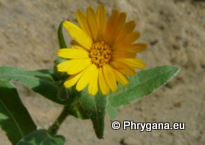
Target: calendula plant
column 90, row 79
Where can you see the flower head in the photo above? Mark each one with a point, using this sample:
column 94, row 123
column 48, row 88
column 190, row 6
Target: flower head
column 102, row 52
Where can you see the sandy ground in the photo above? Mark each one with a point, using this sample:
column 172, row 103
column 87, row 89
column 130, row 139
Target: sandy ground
column 175, row 32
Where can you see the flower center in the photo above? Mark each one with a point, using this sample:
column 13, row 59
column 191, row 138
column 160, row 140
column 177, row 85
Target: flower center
column 100, row 53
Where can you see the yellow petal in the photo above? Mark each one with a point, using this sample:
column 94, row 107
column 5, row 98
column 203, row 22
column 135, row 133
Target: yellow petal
column 134, row 48
column 109, row 77
column 102, row 19
column 92, row 22
column 72, row 80
column 122, row 67
column 121, row 20
column 132, row 37
column 134, row 62
column 129, row 26
column 123, row 54
column 111, row 25
column 122, row 79
column 137, row 47
column 78, row 34
column 127, row 40
column 82, row 21
column 93, row 83
column 72, row 53
column 73, row 66
column 119, row 27
column 85, row 78
column 102, row 83
column 76, row 45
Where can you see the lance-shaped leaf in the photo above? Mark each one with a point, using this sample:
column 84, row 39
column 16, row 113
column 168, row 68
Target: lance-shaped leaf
column 61, row 39
column 40, row 81
column 14, row 118
column 92, row 107
column 41, row 137
column 142, row 84
column 111, row 111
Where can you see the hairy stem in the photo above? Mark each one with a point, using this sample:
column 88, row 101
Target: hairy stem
column 53, row 129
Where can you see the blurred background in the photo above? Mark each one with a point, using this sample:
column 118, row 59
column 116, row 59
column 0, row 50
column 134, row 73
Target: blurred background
column 175, row 33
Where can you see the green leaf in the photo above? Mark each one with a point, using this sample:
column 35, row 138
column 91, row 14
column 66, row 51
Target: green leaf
column 14, row 118
column 41, row 81
column 142, row 84
column 61, row 39
column 41, row 137
column 111, row 111
column 3, row 118
column 93, row 107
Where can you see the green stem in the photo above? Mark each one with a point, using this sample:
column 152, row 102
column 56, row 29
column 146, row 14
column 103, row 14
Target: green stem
column 53, row 129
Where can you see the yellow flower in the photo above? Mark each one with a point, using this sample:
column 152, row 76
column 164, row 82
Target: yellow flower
column 102, row 52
